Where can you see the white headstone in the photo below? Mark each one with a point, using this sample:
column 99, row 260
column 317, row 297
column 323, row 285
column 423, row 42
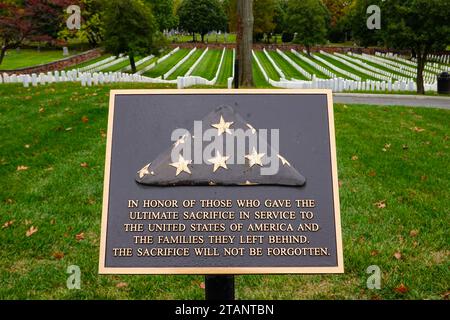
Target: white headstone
column 65, row 51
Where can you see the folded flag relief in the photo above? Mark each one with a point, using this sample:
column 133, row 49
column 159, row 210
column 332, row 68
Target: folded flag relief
column 238, row 165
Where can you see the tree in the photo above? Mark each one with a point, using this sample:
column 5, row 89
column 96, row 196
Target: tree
column 15, row 27
column 339, row 28
column 163, row 11
column 201, row 16
column 32, row 20
column 308, row 20
column 130, row 28
column 422, row 26
column 244, row 42
column 264, row 13
column 230, row 9
column 357, row 18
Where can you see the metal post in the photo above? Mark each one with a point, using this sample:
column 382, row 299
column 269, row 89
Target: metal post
column 219, row 287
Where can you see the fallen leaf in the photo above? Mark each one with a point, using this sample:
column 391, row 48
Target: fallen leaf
column 340, row 183
column 354, row 158
column 58, row 255
column 103, row 133
column 374, row 253
column 413, row 233
column 53, row 221
column 415, row 244
column 27, row 146
column 423, row 178
column 387, row 145
column 121, row 285
column 398, row 255
column 84, row 164
column 79, row 236
column 41, row 110
column 22, row 168
column 446, row 295
column 84, row 119
column 7, row 224
column 380, row 204
column 9, row 201
column 372, row 173
column 417, row 129
column 202, row 285
column 31, row 231
column 401, row 289
column 28, row 97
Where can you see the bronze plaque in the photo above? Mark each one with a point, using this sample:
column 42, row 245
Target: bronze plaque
column 220, row 182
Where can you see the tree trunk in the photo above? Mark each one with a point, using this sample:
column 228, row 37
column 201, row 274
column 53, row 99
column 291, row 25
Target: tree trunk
column 132, row 63
column 421, row 61
column 193, row 36
column 244, row 42
column 203, row 37
column 2, row 54
column 308, row 50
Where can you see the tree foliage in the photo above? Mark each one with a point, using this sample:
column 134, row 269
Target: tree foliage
column 130, row 28
column 422, row 26
column 201, row 16
column 308, row 20
column 163, row 11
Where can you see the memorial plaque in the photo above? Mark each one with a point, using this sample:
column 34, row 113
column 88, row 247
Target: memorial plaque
column 220, row 182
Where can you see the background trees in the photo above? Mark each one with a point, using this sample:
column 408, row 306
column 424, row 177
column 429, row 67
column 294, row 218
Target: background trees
column 421, row 26
column 308, row 20
column 130, row 28
column 201, row 16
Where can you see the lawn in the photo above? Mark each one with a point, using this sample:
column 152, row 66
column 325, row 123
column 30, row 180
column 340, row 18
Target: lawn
column 208, row 66
column 394, row 191
column 167, row 64
column 290, row 72
column 226, row 70
column 267, row 65
column 28, row 57
column 184, row 67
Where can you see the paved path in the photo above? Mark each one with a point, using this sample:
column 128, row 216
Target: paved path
column 393, row 100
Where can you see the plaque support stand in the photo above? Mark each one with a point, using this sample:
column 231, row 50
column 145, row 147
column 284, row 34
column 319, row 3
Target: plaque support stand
column 219, row 287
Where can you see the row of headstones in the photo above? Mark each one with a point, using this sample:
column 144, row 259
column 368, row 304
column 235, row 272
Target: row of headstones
column 431, row 66
column 85, row 78
column 399, row 67
column 340, row 85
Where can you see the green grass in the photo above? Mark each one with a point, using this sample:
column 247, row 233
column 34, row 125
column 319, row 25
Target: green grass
column 167, row 64
column 258, row 78
column 226, row 70
column 289, row 71
column 28, row 57
column 343, row 66
column 43, row 129
column 208, row 66
column 307, row 67
column 268, row 67
column 181, row 70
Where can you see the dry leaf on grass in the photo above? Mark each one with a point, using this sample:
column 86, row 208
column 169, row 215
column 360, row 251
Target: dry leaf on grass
column 84, row 119
column 84, row 164
column 31, row 231
column 413, row 233
column 202, row 285
column 398, row 255
column 79, row 236
column 22, row 168
column 401, row 289
column 7, row 224
column 58, row 255
column 354, row 158
column 380, row 204
column 121, row 285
